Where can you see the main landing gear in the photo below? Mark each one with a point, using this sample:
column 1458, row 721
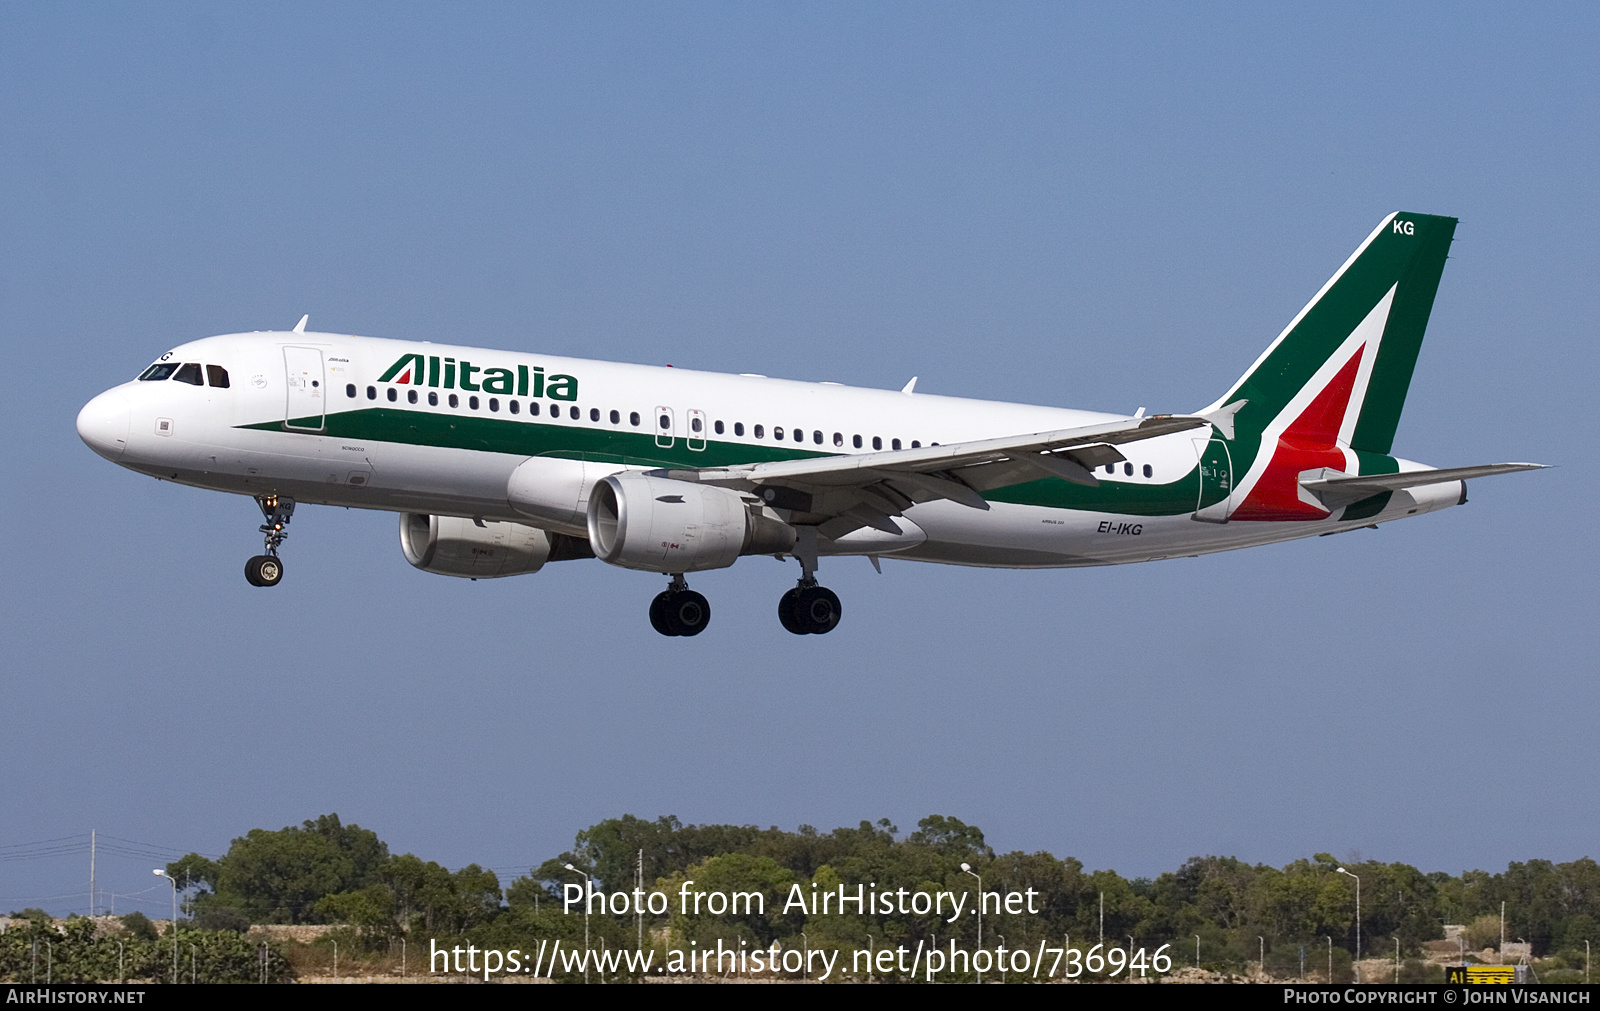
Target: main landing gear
column 267, row 569
column 678, row 610
column 808, row 609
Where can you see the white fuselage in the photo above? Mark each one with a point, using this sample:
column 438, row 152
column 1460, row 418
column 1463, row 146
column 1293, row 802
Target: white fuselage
column 422, row 457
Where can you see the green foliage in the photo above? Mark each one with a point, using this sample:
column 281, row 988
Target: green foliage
column 1483, row 932
column 221, row 918
column 279, row 877
column 139, row 926
column 73, row 954
column 193, row 870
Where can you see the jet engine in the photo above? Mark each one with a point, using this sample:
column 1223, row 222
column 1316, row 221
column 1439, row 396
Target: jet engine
column 657, row 524
column 473, row 549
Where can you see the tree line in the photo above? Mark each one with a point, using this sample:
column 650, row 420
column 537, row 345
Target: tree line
column 325, row 871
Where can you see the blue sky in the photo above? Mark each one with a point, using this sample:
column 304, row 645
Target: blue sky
column 1033, row 203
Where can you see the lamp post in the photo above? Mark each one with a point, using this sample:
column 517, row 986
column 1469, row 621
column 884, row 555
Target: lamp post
column 1330, row 956
column 1262, row 941
column 174, row 883
column 807, row 942
column 967, row 869
column 1358, row 920
column 588, row 886
column 1197, row 951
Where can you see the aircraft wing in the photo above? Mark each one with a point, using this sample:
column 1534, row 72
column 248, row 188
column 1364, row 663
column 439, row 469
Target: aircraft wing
column 845, row 492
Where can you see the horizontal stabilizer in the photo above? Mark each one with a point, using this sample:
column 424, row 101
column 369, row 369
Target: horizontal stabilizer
column 1336, row 485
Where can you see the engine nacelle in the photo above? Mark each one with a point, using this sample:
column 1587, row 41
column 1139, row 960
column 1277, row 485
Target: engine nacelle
column 660, row 525
column 555, row 491
column 455, row 546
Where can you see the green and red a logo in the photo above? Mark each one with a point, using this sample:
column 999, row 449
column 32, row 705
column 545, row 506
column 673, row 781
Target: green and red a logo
column 1329, row 391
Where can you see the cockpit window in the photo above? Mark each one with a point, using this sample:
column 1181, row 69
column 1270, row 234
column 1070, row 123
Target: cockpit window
column 217, row 376
column 189, row 372
column 159, row 371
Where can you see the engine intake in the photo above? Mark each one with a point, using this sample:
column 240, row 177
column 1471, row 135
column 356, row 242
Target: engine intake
column 657, row 524
column 455, row 546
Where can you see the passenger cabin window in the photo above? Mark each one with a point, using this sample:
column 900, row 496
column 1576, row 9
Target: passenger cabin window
column 514, row 406
column 616, row 419
column 718, row 427
column 758, row 431
column 350, row 390
column 895, row 443
column 575, row 414
column 472, row 402
column 594, row 414
column 633, row 418
column 189, row 372
column 393, row 396
column 411, row 396
column 1127, row 469
column 877, row 442
column 738, row 428
column 217, row 376
column 372, row 393
column 158, row 372
column 1148, row 471
column 433, row 399
column 455, row 401
column 494, row 404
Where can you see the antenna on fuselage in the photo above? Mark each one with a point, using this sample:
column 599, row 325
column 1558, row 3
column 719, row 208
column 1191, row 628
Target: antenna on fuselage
column 300, row 327
column 909, row 386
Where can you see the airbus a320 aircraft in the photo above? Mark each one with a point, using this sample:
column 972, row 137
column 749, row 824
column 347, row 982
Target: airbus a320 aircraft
column 499, row 462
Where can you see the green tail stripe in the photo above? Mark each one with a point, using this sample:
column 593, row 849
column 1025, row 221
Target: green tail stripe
column 1402, row 337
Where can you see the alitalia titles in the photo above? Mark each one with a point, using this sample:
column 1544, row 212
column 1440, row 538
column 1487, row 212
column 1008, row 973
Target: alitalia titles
column 447, row 373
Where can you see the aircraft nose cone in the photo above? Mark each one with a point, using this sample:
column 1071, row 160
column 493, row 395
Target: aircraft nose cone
column 103, row 424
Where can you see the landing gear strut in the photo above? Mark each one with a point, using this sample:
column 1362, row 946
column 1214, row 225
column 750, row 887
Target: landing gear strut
column 267, row 569
column 678, row 610
column 808, row 609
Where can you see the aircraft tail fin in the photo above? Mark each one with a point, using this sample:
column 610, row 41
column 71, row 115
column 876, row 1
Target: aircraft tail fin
column 1339, row 372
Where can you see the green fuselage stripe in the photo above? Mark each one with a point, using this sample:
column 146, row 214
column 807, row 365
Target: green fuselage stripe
column 540, row 437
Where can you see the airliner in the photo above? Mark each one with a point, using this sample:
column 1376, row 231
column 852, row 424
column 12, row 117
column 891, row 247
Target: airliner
column 500, row 462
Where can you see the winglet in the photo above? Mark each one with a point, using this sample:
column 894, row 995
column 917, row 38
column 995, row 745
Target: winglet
column 300, row 327
column 909, row 386
column 1222, row 417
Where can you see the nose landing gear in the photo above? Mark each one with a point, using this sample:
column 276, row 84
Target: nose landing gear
column 267, row 569
column 678, row 610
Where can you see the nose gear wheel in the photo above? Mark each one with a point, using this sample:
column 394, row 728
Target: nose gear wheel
column 267, row 569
